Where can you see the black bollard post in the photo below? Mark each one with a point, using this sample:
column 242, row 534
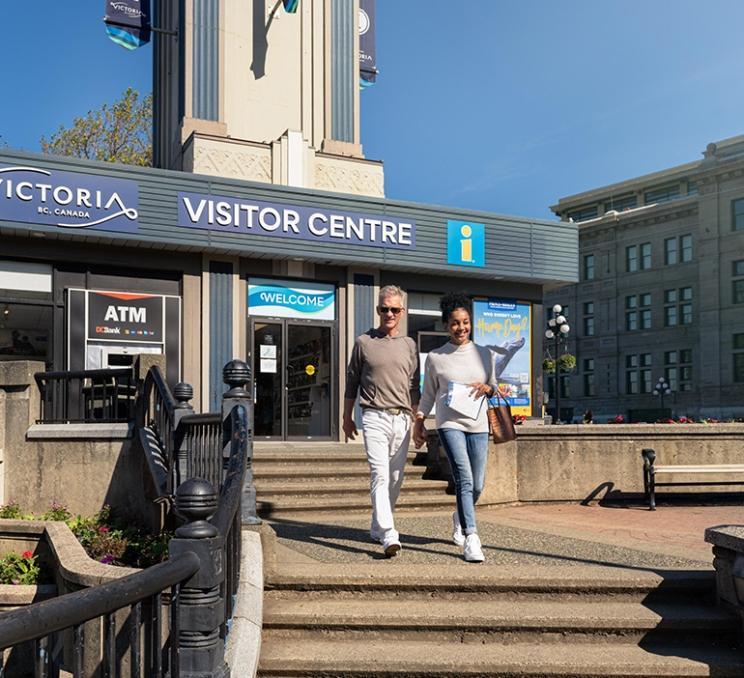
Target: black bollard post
column 237, row 375
column 201, row 650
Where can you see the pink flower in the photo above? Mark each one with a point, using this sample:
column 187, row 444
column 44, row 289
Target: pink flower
column 103, row 529
column 27, row 554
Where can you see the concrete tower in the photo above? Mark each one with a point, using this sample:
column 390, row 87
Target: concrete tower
column 249, row 91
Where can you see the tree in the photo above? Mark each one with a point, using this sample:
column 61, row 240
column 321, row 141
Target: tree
column 121, row 132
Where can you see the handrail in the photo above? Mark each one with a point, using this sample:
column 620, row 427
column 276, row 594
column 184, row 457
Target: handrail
column 232, row 485
column 154, row 380
column 50, row 616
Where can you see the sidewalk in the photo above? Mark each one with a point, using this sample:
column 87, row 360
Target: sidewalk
column 565, row 535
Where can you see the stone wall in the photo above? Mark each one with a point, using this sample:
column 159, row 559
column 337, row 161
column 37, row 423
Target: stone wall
column 83, row 466
column 584, row 462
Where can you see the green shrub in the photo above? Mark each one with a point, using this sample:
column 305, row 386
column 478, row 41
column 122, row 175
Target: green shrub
column 11, row 511
column 19, row 569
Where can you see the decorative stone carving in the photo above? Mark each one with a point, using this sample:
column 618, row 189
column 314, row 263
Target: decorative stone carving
column 343, row 176
column 236, row 161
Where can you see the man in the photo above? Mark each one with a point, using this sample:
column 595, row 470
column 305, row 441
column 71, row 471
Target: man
column 384, row 370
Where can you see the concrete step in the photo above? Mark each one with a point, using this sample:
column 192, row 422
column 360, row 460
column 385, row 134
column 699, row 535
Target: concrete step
column 346, row 470
column 275, row 487
column 491, row 582
column 494, row 621
column 386, row 657
column 319, row 503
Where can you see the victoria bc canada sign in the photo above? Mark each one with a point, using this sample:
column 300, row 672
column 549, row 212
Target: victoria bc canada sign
column 233, row 215
column 68, row 200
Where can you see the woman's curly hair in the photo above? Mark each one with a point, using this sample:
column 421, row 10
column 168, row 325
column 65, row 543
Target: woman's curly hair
column 452, row 301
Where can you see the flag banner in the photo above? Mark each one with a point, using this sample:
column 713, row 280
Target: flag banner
column 128, row 22
column 367, row 56
column 290, row 6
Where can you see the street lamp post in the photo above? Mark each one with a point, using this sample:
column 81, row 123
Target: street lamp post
column 661, row 389
column 557, row 327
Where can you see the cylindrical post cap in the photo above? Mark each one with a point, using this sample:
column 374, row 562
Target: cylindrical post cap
column 236, row 372
column 183, row 392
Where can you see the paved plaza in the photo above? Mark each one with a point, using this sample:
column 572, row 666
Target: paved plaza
column 565, row 535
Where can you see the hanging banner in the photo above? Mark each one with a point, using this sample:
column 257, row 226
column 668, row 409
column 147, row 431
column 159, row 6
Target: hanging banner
column 290, row 6
column 291, row 299
column 504, row 326
column 128, row 22
column 367, row 56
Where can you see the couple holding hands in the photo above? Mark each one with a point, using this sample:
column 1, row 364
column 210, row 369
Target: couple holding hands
column 384, row 372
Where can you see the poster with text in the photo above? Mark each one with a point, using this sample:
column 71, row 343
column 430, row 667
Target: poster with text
column 504, row 327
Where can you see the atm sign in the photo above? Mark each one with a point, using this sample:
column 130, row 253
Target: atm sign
column 125, row 316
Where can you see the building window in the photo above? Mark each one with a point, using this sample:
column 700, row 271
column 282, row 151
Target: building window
column 631, row 374
column 625, row 202
column 670, row 251
column 739, row 357
column 565, row 387
column 678, row 307
column 661, row 194
column 638, row 378
column 645, row 256
column 737, row 284
column 584, row 213
column 685, row 248
column 588, row 267
column 631, row 258
column 671, row 319
column 588, row 318
column 645, row 373
column 638, row 312
column 678, row 369
column 685, row 307
column 737, row 214
column 589, row 377
column 692, row 188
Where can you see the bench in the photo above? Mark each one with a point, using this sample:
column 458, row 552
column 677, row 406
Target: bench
column 650, row 472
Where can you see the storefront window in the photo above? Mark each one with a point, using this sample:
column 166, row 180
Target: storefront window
column 25, row 331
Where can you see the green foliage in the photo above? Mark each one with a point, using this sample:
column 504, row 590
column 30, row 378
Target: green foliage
column 549, row 365
column 19, row 569
column 57, row 512
column 120, row 132
column 104, row 538
column 566, row 362
column 11, row 510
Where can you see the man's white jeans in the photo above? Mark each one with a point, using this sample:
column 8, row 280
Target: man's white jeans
column 386, row 437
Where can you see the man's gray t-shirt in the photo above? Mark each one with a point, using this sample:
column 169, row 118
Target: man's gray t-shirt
column 384, row 370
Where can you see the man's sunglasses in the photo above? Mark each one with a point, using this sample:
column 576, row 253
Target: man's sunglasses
column 393, row 309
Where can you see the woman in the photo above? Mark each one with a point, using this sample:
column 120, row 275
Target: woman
column 464, row 438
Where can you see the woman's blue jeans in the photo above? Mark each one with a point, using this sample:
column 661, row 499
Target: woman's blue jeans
column 467, row 454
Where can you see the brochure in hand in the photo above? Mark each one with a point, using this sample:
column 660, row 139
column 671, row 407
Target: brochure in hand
column 460, row 400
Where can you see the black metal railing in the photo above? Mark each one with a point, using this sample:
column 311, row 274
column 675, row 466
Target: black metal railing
column 200, row 580
column 87, row 396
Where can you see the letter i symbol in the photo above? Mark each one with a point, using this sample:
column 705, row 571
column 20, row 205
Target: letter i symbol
column 466, row 245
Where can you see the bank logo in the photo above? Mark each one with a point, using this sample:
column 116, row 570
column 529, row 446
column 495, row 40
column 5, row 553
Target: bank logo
column 466, row 243
column 68, row 199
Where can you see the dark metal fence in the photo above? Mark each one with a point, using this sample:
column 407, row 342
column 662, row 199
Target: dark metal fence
column 87, row 396
column 200, row 579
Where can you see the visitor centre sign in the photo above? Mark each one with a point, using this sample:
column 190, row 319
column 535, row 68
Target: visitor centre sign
column 254, row 217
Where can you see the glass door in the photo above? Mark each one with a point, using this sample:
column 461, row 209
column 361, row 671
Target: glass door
column 309, row 370
column 268, row 373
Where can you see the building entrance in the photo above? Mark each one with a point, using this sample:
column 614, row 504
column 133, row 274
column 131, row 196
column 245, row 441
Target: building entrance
column 293, row 387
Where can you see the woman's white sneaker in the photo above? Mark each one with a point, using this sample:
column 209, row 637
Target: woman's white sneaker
column 457, row 534
column 472, row 550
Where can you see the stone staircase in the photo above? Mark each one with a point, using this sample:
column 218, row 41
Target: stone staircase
column 327, row 478
column 396, row 620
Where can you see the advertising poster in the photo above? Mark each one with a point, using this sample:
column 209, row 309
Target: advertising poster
column 504, row 327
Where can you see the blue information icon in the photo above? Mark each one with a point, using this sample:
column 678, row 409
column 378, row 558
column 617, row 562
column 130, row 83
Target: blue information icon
column 466, row 243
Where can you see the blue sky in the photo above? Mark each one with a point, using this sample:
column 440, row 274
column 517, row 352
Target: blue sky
column 498, row 105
